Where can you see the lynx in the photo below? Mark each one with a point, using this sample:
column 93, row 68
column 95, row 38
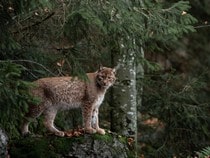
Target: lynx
column 63, row 93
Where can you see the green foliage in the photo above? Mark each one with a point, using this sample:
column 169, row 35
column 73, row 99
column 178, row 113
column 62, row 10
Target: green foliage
column 95, row 28
column 204, row 153
column 172, row 21
column 10, row 10
column 105, row 25
column 166, row 23
column 184, row 118
column 35, row 32
column 180, row 102
column 14, row 98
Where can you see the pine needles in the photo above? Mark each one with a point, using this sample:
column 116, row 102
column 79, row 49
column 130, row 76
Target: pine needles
column 183, row 117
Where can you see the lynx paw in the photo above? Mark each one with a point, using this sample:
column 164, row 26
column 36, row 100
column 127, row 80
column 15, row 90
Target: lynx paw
column 90, row 130
column 60, row 134
column 101, row 131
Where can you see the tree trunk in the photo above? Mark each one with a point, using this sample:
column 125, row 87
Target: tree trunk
column 124, row 111
column 124, row 99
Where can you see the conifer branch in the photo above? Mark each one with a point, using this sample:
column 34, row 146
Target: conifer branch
column 201, row 26
column 33, row 62
column 36, row 23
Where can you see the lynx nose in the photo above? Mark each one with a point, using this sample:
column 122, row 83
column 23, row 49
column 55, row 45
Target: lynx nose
column 107, row 83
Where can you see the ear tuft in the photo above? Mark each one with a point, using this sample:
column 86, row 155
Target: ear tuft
column 100, row 67
column 116, row 68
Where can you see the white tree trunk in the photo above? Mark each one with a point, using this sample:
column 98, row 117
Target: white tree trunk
column 124, row 112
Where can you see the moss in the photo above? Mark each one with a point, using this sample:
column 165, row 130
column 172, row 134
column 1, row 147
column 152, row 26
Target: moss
column 32, row 147
column 106, row 137
column 63, row 145
column 122, row 139
column 25, row 148
column 42, row 146
column 51, row 146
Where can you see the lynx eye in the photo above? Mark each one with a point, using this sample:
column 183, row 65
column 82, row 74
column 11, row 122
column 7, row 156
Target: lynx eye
column 101, row 77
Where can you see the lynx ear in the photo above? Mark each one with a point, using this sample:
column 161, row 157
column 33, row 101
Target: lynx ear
column 116, row 68
column 100, row 67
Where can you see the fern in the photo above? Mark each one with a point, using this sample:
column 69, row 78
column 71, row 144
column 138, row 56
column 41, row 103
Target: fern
column 204, row 153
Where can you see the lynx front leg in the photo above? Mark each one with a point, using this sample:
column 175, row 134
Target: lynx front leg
column 95, row 122
column 87, row 114
column 49, row 117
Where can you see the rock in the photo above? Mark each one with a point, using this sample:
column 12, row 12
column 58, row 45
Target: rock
column 3, row 144
column 85, row 146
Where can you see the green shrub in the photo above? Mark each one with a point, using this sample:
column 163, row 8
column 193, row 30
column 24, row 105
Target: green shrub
column 14, row 98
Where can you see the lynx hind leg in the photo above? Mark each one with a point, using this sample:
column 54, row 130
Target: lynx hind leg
column 49, row 117
column 34, row 112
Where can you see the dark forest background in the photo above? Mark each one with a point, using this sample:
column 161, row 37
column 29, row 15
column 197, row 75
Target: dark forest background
column 163, row 48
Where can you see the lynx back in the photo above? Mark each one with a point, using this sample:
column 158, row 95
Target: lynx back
column 63, row 93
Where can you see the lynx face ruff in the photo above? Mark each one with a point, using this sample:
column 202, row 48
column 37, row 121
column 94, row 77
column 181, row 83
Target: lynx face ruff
column 63, row 93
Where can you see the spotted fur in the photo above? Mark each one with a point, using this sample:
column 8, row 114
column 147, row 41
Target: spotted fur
column 62, row 93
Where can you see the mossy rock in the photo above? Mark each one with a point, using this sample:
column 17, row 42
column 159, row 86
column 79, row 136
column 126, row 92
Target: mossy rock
column 85, row 146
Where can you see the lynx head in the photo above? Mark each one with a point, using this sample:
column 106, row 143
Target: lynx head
column 105, row 77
